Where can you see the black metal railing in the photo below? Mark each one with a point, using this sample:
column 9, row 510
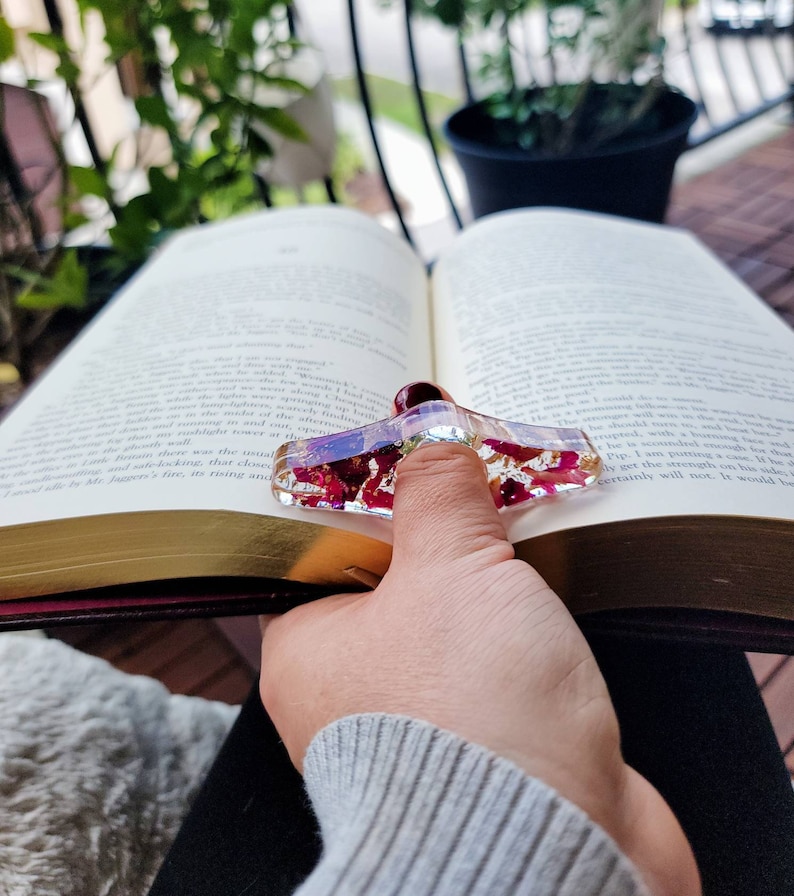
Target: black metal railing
column 735, row 69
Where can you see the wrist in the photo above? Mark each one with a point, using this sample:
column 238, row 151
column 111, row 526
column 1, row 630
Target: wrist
column 420, row 804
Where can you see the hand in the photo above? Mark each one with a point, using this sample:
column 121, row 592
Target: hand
column 463, row 635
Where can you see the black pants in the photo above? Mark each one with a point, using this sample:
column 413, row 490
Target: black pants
column 692, row 721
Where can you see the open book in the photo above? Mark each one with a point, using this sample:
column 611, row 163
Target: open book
column 144, row 454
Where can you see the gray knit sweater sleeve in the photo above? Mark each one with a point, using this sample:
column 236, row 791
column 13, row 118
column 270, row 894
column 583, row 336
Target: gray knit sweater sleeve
column 406, row 808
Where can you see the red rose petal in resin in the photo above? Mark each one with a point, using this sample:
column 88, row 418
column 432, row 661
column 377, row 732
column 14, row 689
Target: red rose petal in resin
column 519, row 453
column 356, row 470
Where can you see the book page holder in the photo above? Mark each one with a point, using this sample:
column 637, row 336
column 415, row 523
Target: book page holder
column 355, row 471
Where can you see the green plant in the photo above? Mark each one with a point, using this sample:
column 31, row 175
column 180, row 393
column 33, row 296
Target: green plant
column 203, row 76
column 605, row 57
column 201, row 70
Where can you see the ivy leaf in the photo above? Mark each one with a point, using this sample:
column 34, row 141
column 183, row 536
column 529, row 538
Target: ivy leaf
column 281, row 123
column 267, row 7
column 67, row 288
column 88, row 181
column 213, row 168
column 134, row 230
column 68, row 70
column 450, row 12
column 72, row 220
column 7, row 41
column 49, row 41
column 167, row 197
column 288, row 84
column 259, row 146
column 154, row 110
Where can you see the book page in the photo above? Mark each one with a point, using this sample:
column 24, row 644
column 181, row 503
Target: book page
column 238, row 337
column 635, row 333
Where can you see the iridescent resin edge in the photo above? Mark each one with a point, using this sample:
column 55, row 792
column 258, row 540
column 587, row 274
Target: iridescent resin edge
column 355, row 471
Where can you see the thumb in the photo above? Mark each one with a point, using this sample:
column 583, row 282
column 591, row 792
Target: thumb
column 444, row 510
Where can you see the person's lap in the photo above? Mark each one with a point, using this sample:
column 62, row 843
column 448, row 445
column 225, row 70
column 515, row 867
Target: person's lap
column 692, row 721
column 250, row 829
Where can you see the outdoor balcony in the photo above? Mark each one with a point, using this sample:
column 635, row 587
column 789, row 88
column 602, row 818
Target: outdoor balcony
column 743, row 209
column 735, row 192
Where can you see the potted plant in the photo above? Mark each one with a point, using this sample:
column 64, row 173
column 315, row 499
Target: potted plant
column 196, row 75
column 603, row 132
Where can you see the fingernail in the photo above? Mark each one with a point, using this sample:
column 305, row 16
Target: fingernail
column 416, row 393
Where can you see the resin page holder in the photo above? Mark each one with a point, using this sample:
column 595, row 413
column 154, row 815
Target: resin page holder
column 355, row 471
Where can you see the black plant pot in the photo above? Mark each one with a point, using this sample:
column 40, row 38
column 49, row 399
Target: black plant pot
column 631, row 177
